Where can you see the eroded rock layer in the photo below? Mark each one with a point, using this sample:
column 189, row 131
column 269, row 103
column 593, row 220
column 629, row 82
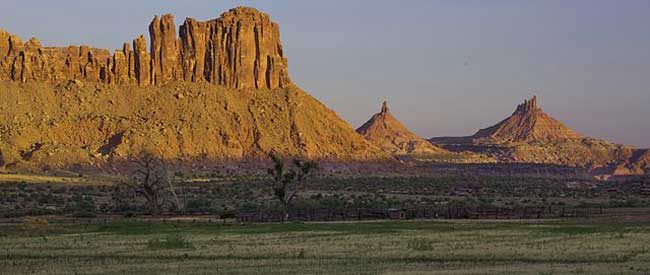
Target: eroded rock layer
column 240, row 49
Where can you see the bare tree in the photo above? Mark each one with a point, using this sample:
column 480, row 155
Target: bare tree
column 289, row 180
column 152, row 180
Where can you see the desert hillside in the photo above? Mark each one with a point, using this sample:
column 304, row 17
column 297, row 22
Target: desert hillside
column 88, row 123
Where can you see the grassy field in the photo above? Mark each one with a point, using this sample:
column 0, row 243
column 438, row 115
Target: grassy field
column 461, row 247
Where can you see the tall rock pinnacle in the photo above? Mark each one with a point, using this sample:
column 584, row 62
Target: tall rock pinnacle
column 240, row 49
column 384, row 107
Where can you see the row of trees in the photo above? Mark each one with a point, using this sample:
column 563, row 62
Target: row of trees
column 152, row 180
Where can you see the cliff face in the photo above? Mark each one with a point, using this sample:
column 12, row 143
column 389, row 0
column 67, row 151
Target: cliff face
column 240, row 49
column 527, row 123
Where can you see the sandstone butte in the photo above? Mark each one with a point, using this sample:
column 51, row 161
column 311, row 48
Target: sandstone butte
column 218, row 90
column 385, row 131
column 530, row 135
column 527, row 123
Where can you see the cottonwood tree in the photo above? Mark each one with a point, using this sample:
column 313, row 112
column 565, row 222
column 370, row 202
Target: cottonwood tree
column 152, row 180
column 288, row 180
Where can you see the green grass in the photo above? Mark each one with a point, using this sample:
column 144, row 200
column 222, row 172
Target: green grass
column 464, row 247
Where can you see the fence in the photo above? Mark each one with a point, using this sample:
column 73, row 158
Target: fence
column 335, row 214
column 450, row 212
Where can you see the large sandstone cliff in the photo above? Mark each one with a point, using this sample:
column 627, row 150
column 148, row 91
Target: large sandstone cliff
column 240, row 49
column 193, row 96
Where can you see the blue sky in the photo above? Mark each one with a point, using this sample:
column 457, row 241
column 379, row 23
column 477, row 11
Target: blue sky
column 446, row 67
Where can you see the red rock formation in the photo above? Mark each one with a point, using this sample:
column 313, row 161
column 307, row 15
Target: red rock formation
column 241, row 49
column 385, row 131
column 527, row 123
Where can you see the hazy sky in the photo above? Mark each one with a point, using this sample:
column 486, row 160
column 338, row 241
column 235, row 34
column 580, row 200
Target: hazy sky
column 446, row 67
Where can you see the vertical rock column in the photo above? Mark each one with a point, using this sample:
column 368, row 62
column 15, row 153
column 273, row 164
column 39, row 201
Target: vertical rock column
column 193, row 45
column 142, row 61
column 164, row 50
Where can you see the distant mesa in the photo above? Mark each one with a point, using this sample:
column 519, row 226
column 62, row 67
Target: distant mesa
column 527, row 123
column 385, row 131
column 240, row 49
column 530, row 135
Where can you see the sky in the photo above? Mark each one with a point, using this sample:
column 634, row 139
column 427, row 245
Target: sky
column 446, row 68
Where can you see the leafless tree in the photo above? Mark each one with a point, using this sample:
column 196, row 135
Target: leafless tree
column 152, row 180
column 289, row 180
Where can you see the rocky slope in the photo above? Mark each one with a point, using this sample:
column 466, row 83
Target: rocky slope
column 85, row 123
column 240, row 49
column 219, row 91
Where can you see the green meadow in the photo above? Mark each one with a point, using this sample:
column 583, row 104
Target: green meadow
column 388, row 247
